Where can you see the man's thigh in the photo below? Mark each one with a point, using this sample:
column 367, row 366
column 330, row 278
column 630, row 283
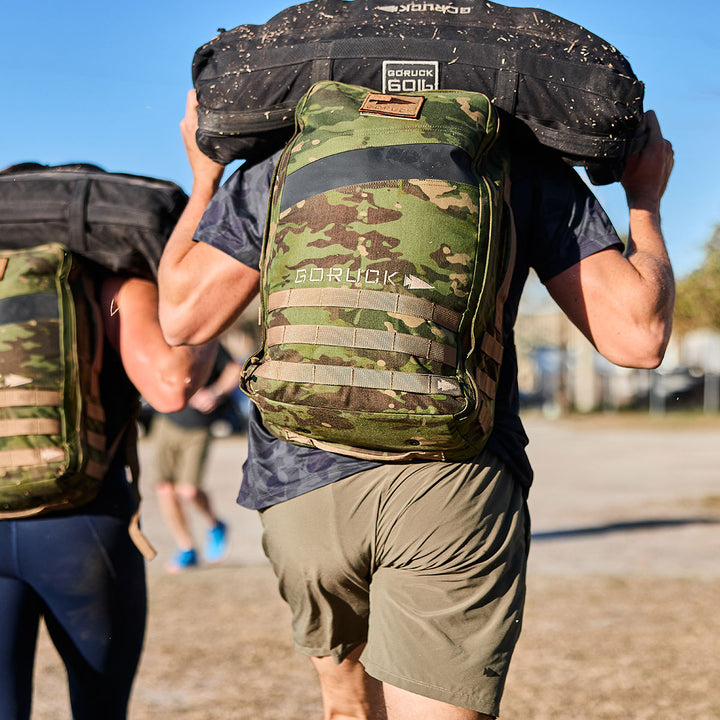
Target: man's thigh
column 425, row 562
column 448, row 590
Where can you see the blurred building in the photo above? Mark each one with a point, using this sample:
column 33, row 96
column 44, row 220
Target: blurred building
column 559, row 370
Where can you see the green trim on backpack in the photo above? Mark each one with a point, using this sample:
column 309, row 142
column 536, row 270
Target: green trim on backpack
column 53, row 451
column 386, row 262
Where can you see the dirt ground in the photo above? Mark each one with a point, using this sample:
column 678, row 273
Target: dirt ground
column 622, row 614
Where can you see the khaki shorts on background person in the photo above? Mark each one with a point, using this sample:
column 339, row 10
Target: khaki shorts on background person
column 180, row 453
column 420, row 561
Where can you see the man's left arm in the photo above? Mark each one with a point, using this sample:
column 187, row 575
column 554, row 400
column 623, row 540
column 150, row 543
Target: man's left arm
column 623, row 303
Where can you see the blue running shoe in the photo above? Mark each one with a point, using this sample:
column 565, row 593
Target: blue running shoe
column 216, row 545
column 183, row 560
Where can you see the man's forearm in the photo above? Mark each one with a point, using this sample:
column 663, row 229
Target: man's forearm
column 175, row 278
column 202, row 289
column 647, row 253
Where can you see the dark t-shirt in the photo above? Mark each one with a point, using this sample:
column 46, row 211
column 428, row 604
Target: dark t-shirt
column 558, row 222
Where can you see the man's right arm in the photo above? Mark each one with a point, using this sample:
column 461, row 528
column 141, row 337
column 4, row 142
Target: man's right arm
column 202, row 289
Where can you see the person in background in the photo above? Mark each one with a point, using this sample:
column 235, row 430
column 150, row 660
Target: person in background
column 78, row 569
column 181, row 441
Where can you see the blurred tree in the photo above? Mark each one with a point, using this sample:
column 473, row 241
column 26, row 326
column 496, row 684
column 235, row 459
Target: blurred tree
column 698, row 294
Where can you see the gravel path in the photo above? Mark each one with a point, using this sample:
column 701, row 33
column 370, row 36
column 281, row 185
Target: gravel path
column 621, row 618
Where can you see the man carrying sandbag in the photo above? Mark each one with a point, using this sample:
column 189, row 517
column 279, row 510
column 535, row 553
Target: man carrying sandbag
column 405, row 579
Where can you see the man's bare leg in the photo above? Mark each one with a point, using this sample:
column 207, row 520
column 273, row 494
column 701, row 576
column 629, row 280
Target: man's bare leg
column 348, row 692
column 404, row 705
column 200, row 500
column 174, row 515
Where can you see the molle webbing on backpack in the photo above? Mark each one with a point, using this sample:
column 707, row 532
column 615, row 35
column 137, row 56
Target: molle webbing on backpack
column 362, row 338
column 422, row 384
column 386, row 261
column 366, row 300
column 13, row 398
column 53, row 448
column 29, row 426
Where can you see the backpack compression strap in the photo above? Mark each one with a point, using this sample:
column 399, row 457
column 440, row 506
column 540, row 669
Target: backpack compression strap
column 361, row 338
column 424, row 310
column 366, row 300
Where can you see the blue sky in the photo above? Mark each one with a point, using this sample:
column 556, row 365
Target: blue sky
column 106, row 83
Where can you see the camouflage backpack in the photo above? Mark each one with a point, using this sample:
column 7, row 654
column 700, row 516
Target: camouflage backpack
column 386, row 261
column 53, row 448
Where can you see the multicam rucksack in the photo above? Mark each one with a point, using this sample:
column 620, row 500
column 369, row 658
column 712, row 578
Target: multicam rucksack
column 53, row 452
column 386, row 262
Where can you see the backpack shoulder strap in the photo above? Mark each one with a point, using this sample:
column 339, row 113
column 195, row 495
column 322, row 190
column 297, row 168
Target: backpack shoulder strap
column 131, row 458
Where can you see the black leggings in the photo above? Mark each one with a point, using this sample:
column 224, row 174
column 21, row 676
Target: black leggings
column 83, row 574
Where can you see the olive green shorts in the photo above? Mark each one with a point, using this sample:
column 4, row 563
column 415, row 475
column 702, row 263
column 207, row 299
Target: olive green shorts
column 180, row 453
column 424, row 562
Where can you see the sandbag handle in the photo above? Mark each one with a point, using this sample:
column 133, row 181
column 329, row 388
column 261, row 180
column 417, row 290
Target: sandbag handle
column 78, row 214
column 321, row 70
column 506, row 89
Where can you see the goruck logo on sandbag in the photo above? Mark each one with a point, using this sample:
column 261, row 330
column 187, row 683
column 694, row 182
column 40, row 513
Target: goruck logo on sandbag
column 443, row 8
column 405, row 76
column 385, row 266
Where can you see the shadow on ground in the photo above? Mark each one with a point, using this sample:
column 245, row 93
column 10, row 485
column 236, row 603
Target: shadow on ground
column 623, row 527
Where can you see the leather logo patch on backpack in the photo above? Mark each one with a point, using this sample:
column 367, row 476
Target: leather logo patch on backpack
column 391, row 105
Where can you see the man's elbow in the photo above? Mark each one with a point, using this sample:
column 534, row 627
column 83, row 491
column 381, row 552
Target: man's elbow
column 644, row 361
column 642, row 350
column 167, row 394
column 177, row 327
column 168, row 402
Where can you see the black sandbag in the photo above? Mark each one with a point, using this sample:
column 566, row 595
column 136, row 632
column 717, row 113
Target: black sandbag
column 118, row 221
column 572, row 89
